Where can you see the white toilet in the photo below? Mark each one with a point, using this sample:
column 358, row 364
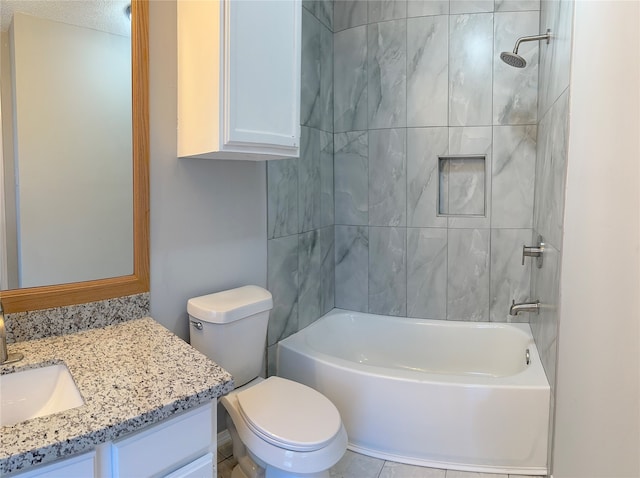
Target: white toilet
column 279, row 428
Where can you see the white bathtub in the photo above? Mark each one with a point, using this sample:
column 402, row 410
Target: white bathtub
column 444, row 394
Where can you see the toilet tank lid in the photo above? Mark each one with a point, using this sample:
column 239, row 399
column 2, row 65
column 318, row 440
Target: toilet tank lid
column 230, row 305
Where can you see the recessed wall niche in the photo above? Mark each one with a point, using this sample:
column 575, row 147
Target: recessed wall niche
column 461, row 185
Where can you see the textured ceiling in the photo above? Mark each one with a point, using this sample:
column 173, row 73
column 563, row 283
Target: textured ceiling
column 103, row 15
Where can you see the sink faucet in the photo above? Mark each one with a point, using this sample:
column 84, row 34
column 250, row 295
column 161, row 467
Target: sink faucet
column 515, row 309
column 5, row 357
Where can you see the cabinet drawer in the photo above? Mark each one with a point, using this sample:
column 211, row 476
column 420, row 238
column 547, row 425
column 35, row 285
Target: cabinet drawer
column 165, row 446
column 200, row 468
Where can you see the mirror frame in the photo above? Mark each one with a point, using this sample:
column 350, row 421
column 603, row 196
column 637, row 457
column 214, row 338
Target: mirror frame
column 36, row 298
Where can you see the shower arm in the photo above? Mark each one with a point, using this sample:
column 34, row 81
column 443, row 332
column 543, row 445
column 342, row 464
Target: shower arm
column 546, row 36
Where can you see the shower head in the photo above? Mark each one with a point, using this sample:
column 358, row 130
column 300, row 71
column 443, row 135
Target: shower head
column 515, row 60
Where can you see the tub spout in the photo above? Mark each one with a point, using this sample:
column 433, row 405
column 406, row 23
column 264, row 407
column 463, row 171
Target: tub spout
column 515, row 309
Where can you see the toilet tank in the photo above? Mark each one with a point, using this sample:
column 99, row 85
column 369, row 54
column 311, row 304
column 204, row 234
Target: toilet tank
column 230, row 327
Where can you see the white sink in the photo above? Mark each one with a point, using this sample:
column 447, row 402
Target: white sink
column 37, row 392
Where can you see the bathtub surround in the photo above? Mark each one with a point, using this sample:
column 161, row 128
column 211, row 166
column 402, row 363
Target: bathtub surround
column 515, row 92
column 470, row 69
column 352, row 265
column 300, row 192
column 551, row 165
column 427, row 69
column 70, row 319
column 415, row 81
column 351, row 172
column 395, row 71
column 386, row 73
column 350, row 95
column 427, row 272
column 387, row 270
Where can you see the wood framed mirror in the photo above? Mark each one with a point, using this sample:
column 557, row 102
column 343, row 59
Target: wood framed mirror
column 37, row 298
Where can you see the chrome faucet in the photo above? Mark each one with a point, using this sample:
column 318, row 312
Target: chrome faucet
column 515, row 309
column 5, row 357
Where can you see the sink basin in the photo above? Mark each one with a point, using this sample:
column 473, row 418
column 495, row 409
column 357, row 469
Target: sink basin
column 37, row 392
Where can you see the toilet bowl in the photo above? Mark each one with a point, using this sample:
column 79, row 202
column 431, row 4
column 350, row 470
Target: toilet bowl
column 279, row 428
column 284, row 427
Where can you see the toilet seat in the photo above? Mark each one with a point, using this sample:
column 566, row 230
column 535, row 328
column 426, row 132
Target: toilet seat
column 279, row 457
column 289, row 415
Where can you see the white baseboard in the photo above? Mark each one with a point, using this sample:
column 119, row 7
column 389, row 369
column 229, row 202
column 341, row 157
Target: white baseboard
column 223, row 438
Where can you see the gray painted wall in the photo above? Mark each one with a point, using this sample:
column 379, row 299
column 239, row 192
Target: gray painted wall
column 208, row 218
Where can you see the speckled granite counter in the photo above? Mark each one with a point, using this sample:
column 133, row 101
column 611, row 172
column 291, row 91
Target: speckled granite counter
column 130, row 375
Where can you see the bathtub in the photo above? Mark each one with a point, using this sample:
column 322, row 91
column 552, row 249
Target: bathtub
column 443, row 394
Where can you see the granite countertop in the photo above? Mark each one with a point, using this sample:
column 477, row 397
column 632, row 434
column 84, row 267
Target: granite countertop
column 130, row 375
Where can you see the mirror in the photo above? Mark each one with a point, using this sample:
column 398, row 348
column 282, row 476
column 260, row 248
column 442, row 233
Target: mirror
column 32, row 298
column 66, row 86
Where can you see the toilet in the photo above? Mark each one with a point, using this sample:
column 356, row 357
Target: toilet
column 279, row 428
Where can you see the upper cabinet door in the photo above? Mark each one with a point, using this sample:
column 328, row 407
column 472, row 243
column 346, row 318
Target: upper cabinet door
column 239, row 79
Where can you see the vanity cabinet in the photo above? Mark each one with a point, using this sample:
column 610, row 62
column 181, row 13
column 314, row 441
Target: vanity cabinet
column 239, row 79
column 82, row 465
column 159, row 450
column 178, row 447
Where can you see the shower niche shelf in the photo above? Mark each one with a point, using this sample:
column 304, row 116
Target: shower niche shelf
column 462, row 185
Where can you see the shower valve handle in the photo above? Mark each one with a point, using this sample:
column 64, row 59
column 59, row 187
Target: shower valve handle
column 534, row 251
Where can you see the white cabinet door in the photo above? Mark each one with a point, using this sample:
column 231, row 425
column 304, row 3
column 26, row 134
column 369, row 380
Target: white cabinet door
column 239, row 79
column 178, row 447
column 165, row 446
column 82, row 466
column 262, row 46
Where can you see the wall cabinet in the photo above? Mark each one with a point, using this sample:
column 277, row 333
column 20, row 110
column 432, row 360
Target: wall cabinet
column 239, row 79
column 179, row 447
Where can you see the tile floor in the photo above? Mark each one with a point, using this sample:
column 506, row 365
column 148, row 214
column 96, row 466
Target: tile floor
column 354, row 465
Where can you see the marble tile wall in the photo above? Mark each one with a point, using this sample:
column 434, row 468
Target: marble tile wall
column 300, row 192
column 366, row 186
column 551, row 166
column 414, row 80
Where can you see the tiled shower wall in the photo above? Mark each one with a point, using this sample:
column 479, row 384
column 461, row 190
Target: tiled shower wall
column 413, row 81
column 551, row 173
column 300, row 216
column 387, row 87
column 551, row 166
